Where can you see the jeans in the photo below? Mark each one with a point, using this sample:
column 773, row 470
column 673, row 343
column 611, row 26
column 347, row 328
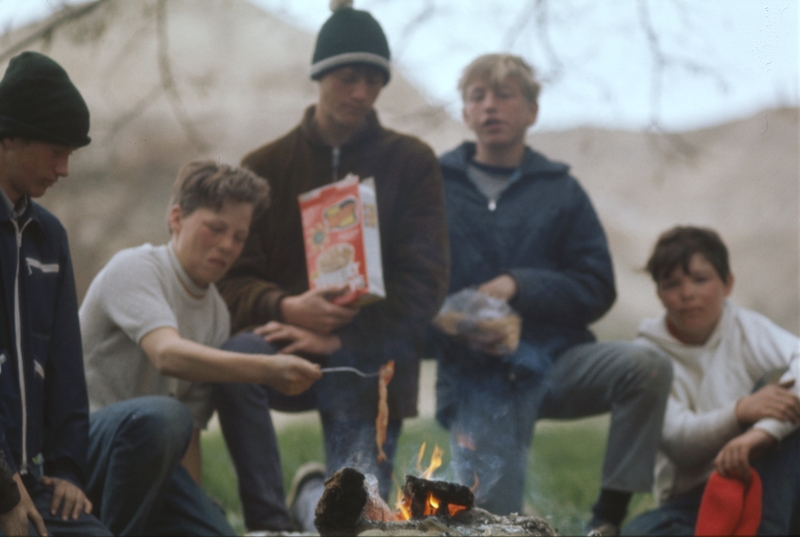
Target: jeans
column 490, row 437
column 779, row 470
column 633, row 383
column 136, row 481
column 246, row 424
column 493, row 411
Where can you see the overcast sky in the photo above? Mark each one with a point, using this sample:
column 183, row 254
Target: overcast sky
column 723, row 59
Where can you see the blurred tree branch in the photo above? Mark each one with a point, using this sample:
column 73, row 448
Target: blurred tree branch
column 67, row 14
column 43, row 33
column 168, row 81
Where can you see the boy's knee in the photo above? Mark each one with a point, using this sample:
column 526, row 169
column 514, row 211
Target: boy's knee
column 163, row 421
column 248, row 343
column 653, row 369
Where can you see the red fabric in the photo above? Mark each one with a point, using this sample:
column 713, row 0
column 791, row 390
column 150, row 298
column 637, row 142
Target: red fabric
column 730, row 507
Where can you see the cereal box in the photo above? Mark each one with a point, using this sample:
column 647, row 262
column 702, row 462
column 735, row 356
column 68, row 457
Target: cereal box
column 342, row 239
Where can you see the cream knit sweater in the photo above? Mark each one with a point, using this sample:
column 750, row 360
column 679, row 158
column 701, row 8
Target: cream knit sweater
column 708, row 381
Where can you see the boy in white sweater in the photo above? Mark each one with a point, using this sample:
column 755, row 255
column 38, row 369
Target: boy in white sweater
column 715, row 419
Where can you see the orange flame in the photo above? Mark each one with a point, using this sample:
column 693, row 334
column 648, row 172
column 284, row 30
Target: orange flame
column 403, row 504
column 420, row 455
column 432, row 503
column 436, row 462
column 455, row 509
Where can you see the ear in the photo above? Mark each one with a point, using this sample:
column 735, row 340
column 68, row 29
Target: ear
column 534, row 114
column 175, row 219
column 729, row 285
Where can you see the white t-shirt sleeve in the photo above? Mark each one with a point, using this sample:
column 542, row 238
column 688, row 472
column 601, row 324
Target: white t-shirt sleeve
column 133, row 296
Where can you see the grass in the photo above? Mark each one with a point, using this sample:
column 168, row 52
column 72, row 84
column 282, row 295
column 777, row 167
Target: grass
column 563, row 469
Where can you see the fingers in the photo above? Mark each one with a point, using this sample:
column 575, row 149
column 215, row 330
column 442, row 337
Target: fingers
column 772, row 401
column 786, row 383
column 333, row 291
column 38, row 522
column 269, row 328
column 732, row 462
column 70, row 502
column 73, row 498
column 58, row 493
column 295, row 347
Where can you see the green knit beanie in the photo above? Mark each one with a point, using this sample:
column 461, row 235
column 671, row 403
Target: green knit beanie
column 38, row 101
column 349, row 36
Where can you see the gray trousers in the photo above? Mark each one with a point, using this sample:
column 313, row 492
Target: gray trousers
column 633, row 383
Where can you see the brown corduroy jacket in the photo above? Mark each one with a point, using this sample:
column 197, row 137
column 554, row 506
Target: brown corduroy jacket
column 413, row 242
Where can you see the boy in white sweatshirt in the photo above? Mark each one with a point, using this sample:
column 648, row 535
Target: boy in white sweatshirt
column 715, row 420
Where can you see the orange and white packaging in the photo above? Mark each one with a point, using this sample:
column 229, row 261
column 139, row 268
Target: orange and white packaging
column 342, row 239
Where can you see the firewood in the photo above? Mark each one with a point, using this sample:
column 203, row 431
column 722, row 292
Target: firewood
column 341, row 503
column 418, row 490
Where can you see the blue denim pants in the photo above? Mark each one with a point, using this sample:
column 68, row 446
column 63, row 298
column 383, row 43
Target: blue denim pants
column 136, row 481
column 779, row 470
column 246, row 424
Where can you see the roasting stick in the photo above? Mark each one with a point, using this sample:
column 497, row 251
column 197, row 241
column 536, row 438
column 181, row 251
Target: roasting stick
column 349, row 370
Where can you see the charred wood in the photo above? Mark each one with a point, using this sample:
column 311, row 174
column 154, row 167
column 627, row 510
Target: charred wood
column 418, row 490
column 341, row 503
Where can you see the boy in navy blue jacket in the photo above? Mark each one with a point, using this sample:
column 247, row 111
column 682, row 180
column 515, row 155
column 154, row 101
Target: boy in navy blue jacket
column 43, row 403
column 523, row 230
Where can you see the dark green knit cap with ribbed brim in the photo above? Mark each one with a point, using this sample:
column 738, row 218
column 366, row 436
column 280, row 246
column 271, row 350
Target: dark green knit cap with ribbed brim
column 40, row 102
column 350, row 36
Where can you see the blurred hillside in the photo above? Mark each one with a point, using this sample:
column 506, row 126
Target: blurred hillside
column 171, row 81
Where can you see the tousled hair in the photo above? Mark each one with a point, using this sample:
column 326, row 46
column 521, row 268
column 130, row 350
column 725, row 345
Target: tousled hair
column 207, row 183
column 675, row 248
column 495, row 69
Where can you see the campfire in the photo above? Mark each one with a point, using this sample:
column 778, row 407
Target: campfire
column 351, row 505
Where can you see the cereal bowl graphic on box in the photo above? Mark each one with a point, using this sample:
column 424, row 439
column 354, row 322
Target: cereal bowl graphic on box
column 342, row 239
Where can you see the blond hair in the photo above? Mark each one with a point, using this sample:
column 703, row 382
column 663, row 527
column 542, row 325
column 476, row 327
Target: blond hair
column 495, row 69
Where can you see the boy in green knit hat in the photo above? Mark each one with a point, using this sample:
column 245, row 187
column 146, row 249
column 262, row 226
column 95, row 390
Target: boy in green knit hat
column 267, row 289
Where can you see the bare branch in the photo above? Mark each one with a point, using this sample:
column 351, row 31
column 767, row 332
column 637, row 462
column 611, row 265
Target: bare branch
column 539, row 12
column 168, row 82
column 662, row 61
column 522, row 20
column 423, row 16
column 43, row 33
column 137, row 110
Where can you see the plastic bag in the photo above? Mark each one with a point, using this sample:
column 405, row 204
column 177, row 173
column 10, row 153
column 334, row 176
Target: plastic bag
column 486, row 323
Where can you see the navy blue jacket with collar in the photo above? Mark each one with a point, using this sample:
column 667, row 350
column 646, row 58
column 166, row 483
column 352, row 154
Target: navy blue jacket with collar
column 543, row 231
column 44, row 420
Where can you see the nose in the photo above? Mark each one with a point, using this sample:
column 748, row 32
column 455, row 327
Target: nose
column 489, row 100
column 62, row 166
column 228, row 243
column 361, row 90
column 687, row 290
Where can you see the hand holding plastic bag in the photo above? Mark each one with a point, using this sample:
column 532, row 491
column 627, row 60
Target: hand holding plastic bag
column 485, row 323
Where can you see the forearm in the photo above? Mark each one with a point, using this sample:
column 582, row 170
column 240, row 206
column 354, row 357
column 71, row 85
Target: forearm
column 691, row 439
column 187, row 360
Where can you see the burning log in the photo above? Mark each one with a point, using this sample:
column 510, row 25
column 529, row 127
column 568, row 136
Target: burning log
column 350, row 496
column 424, row 497
column 341, row 503
column 351, row 505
